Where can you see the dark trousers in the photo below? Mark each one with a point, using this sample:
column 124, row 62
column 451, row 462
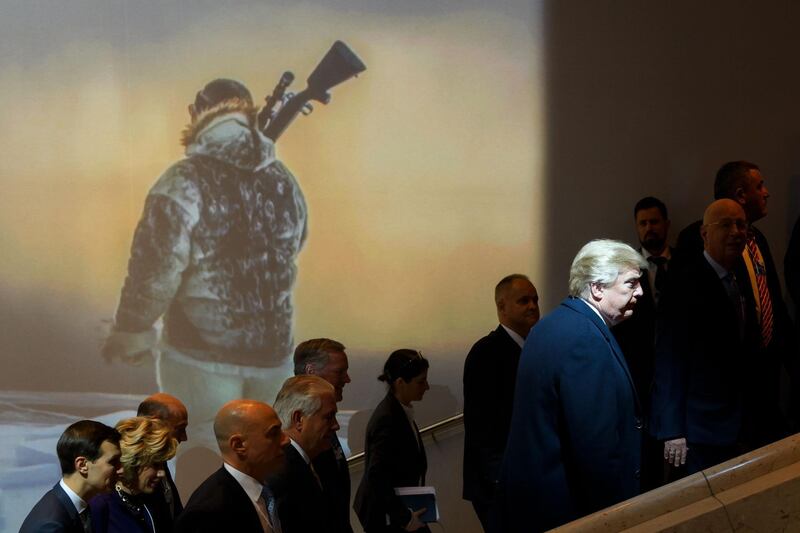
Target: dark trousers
column 652, row 469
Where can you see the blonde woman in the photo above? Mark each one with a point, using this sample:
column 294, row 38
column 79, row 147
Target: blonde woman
column 146, row 445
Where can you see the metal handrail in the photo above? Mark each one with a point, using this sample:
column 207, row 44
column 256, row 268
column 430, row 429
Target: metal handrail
column 445, row 423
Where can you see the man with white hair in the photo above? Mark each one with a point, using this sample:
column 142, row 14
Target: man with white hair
column 575, row 436
column 306, row 406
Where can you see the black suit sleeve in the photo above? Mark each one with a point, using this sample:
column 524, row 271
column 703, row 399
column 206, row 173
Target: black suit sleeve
column 483, row 409
column 380, row 472
column 668, row 410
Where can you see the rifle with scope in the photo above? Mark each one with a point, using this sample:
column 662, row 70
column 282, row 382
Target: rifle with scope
column 281, row 107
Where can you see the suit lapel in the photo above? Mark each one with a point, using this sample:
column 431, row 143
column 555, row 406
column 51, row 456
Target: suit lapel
column 509, row 344
column 242, row 510
column 582, row 307
column 68, row 505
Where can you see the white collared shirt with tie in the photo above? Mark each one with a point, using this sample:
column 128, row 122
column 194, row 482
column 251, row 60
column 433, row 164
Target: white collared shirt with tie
column 253, row 488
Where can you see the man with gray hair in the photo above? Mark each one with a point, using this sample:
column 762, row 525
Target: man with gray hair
column 575, row 436
column 327, row 359
column 306, row 406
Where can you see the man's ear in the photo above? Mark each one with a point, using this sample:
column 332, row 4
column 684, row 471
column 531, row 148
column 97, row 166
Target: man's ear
column 236, row 442
column 309, row 369
column 82, row 465
column 596, row 290
column 297, row 420
column 740, row 195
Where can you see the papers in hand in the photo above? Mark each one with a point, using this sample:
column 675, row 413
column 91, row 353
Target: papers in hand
column 416, row 498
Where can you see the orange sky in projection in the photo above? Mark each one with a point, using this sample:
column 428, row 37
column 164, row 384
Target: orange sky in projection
column 421, row 176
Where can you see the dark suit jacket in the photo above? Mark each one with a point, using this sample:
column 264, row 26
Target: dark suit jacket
column 782, row 350
column 705, row 372
column 636, row 337
column 110, row 515
column 219, row 504
column 690, row 244
column 54, row 512
column 395, row 457
column 490, row 374
column 575, row 437
column 331, row 467
column 164, row 512
column 301, row 503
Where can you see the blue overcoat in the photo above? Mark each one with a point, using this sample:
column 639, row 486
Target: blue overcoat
column 575, row 439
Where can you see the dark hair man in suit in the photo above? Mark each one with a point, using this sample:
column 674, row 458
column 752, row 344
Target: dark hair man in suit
column 636, row 336
column 166, row 502
column 652, row 228
column 234, row 498
column 89, row 454
column 306, row 406
column 327, row 359
column 709, row 403
column 490, row 372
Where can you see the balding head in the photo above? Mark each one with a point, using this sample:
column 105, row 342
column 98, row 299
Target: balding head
column 250, row 438
column 169, row 409
column 724, row 232
column 517, row 303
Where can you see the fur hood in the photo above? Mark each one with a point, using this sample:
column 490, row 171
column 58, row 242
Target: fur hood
column 228, row 132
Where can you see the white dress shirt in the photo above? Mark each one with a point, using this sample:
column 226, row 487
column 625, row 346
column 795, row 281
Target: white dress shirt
column 514, row 335
column 76, row 500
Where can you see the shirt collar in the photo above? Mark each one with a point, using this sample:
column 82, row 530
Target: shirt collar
column 300, row 450
column 76, row 500
column 251, row 485
column 514, row 335
column 593, row 308
column 719, row 269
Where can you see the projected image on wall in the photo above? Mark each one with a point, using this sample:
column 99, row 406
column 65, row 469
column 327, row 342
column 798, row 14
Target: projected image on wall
column 158, row 235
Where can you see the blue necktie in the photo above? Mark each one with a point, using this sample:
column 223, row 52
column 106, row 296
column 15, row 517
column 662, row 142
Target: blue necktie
column 272, row 509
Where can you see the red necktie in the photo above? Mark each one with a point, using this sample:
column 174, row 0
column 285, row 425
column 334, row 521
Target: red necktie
column 763, row 291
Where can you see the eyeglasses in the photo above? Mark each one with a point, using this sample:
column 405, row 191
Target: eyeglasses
column 729, row 223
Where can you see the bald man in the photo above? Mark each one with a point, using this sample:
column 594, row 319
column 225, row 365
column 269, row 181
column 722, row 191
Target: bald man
column 166, row 503
column 234, row 498
column 490, row 374
column 708, row 368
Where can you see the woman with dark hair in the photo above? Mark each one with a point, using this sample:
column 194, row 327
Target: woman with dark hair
column 146, row 445
column 395, row 456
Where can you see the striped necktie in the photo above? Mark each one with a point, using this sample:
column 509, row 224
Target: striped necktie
column 763, row 290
